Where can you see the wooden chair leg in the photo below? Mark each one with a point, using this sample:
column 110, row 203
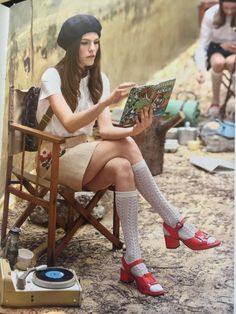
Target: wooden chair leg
column 52, row 211
column 85, row 212
column 6, row 200
column 28, row 211
column 5, row 217
column 116, row 222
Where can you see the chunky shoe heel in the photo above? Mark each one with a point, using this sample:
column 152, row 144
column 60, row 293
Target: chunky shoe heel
column 198, row 242
column 126, row 276
column 171, row 243
column 143, row 283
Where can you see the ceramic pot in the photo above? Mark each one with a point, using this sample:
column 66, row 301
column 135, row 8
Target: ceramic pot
column 226, row 129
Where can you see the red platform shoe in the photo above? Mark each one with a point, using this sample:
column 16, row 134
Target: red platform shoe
column 198, row 242
column 143, row 283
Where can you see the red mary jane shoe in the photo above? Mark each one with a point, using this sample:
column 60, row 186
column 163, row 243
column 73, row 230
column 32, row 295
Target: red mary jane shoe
column 143, row 283
column 213, row 111
column 198, row 242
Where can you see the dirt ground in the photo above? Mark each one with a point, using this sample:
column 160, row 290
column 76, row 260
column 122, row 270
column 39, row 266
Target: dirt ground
column 196, row 282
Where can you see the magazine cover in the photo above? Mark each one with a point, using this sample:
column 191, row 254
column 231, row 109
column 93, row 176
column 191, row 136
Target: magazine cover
column 155, row 95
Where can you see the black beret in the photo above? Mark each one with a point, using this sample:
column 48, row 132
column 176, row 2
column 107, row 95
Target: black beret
column 75, row 27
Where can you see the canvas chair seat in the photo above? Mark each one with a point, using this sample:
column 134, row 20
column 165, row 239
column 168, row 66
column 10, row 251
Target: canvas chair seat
column 27, row 185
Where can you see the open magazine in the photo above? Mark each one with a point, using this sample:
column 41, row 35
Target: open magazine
column 139, row 97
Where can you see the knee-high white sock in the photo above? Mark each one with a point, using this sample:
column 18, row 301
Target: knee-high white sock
column 148, row 188
column 216, row 79
column 127, row 209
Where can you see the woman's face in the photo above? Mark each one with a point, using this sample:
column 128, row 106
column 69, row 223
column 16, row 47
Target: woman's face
column 88, row 48
column 229, row 8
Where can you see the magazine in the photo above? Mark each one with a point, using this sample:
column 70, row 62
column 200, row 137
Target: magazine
column 157, row 96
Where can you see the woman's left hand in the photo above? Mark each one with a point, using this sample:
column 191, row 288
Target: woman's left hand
column 144, row 120
column 229, row 46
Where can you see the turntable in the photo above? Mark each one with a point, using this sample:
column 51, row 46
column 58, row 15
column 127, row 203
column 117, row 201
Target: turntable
column 39, row 286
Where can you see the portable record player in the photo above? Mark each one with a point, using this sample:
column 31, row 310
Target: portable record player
column 39, row 286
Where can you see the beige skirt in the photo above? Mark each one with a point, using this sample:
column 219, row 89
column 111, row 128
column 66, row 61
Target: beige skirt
column 74, row 158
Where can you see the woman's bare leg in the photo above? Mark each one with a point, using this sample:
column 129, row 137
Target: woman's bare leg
column 117, row 172
column 229, row 63
column 218, row 65
column 107, row 150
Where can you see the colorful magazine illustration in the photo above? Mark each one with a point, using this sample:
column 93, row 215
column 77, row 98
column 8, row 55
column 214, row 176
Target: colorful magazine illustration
column 139, row 97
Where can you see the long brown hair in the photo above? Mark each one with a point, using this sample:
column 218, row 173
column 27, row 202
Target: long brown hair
column 71, row 74
column 220, row 18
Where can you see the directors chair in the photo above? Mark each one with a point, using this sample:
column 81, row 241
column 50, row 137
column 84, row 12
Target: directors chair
column 228, row 80
column 27, row 185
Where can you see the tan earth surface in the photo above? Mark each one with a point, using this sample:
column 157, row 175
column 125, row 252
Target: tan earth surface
column 197, row 282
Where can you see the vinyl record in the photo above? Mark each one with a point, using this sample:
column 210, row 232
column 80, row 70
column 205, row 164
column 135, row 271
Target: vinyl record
column 54, row 278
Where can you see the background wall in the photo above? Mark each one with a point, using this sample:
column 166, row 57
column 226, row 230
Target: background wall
column 4, row 22
column 139, row 37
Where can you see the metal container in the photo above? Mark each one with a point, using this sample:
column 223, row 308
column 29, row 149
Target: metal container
column 172, row 134
column 186, row 134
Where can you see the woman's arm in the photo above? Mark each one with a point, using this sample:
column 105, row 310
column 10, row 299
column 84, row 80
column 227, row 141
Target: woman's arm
column 204, row 41
column 72, row 121
column 109, row 132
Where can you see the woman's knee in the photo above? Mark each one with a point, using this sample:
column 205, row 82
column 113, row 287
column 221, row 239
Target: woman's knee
column 218, row 64
column 121, row 169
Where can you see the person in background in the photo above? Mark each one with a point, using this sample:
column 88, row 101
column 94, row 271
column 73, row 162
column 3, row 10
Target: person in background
column 78, row 93
column 217, row 48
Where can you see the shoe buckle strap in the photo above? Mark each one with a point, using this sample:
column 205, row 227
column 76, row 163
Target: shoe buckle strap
column 202, row 236
column 129, row 266
column 150, row 279
column 180, row 224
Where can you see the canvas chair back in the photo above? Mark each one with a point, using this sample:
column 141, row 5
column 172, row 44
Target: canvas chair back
column 16, row 110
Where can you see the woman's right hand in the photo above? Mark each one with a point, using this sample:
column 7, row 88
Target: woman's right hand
column 120, row 93
column 200, row 77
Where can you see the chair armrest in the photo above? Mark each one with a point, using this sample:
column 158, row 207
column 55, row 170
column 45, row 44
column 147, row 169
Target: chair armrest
column 37, row 133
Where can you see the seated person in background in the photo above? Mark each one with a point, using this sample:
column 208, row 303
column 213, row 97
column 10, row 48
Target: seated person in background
column 217, row 47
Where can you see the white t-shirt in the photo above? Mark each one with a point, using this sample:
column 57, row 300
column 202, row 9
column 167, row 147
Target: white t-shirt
column 51, row 85
column 209, row 33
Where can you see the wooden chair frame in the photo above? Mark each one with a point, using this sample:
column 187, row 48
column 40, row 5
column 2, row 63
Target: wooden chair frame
column 32, row 188
column 227, row 81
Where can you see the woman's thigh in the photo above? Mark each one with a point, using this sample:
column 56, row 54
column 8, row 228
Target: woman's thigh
column 116, row 172
column 107, row 150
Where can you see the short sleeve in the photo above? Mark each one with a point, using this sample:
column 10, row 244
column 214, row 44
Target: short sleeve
column 106, row 87
column 205, row 37
column 50, row 83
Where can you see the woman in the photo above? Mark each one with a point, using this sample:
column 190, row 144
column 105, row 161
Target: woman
column 217, row 47
column 79, row 94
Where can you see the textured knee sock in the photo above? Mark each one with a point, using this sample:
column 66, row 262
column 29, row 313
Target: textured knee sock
column 148, row 188
column 216, row 79
column 127, row 209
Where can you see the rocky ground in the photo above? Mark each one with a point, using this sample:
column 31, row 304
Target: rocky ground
column 196, row 282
